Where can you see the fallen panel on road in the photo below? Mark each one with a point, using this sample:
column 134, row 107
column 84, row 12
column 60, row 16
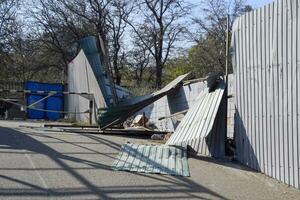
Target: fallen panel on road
column 160, row 159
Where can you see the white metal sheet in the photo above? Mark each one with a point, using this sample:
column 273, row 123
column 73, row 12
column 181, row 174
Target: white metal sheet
column 265, row 46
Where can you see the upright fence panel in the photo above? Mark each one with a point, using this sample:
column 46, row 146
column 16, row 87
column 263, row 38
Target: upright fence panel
column 266, row 59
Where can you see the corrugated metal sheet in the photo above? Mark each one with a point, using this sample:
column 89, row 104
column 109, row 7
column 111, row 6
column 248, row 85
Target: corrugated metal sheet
column 108, row 117
column 201, row 129
column 89, row 46
column 152, row 159
column 230, row 106
column 266, row 59
column 122, row 93
column 81, row 79
column 182, row 100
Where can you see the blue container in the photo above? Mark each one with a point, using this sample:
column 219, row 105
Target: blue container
column 53, row 103
column 35, row 114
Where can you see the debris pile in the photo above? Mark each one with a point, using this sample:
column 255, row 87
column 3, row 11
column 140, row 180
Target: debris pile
column 195, row 131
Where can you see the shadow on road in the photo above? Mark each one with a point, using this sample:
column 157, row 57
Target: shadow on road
column 10, row 139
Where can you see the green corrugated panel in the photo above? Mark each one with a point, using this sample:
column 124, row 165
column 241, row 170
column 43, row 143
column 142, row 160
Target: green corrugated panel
column 152, row 159
column 108, row 117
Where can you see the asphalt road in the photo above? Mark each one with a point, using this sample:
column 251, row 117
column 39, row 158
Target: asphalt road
column 38, row 164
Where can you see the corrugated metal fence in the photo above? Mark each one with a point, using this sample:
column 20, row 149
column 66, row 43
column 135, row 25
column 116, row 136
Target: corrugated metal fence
column 184, row 99
column 266, row 58
column 203, row 127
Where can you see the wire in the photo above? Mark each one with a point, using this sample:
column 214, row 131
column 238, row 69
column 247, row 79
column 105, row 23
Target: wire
column 39, row 109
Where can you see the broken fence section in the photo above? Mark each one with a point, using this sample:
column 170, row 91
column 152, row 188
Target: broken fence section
column 161, row 159
column 108, row 117
column 203, row 127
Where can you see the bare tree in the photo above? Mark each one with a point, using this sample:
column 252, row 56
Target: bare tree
column 160, row 28
column 7, row 19
column 57, row 31
column 48, row 31
column 214, row 14
column 9, row 27
column 105, row 20
column 209, row 54
column 120, row 11
column 93, row 12
column 138, row 60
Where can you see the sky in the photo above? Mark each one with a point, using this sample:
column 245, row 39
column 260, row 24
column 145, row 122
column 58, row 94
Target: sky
column 254, row 3
column 196, row 10
column 258, row 3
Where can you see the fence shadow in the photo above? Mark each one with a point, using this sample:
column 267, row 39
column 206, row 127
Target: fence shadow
column 245, row 153
column 162, row 187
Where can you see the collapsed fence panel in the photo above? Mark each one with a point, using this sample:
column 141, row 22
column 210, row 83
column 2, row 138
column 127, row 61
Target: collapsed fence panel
column 166, row 113
column 203, row 127
column 89, row 46
column 108, row 117
column 161, row 159
column 266, row 60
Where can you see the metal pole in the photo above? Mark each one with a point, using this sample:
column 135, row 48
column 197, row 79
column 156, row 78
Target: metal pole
column 91, row 106
column 226, row 74
column 227, row 50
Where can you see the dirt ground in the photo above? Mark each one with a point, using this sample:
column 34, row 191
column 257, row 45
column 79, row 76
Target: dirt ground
column 39, row 164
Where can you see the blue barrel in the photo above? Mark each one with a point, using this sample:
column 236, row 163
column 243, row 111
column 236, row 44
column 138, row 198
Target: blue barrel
column 53, row 103
column 35, row 114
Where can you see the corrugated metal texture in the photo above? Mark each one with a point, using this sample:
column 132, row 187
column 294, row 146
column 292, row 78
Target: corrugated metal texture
column 152, row 159
column 182, row 100
column 230, row 107
column 173, row 103
column 198, row 126
column 108, row 117
column 89, row 46
column 81, row 79
column 266, row 59
column 122, row 93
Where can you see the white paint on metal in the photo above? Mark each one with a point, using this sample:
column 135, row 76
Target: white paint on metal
column 265, row 46
column 197, row 128
column 81, row 79
column 184, row 99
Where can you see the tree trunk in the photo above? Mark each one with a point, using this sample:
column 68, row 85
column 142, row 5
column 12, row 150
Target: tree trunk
column 117, row 73
column 159, row 67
